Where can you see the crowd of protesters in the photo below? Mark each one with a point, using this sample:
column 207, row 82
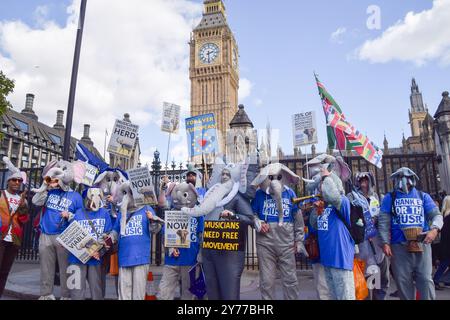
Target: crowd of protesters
column 391, row 235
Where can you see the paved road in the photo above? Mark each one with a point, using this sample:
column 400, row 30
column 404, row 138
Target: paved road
column 24, row 279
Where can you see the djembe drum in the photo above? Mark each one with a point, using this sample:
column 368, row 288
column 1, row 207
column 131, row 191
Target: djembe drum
column 411, row 235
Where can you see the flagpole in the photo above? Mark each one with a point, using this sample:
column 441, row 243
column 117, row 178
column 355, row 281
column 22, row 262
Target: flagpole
column 307, row 166
column 104, row 146
column 335, row 137
column 167, row 157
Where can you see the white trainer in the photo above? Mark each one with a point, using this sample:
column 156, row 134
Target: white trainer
column 49, row 297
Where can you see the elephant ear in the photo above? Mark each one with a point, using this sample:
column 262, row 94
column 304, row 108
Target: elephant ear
column 122, row 176
column 243, row 178
column 261, row 177
column 193, row 189
column 171, row 188
column 289, row 176
column 100, row 177
column 215, row 178
column 49, row 166
column 24, row 177
column 79, row 171
column 342, row 170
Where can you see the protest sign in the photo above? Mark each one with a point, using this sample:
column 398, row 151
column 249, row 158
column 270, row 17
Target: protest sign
column 142, row 186
column 123, row 138
column 171, row 118
column 79, row 242
column 224, row 236
column 177, row 233
column 202, row 135
column 304, row 129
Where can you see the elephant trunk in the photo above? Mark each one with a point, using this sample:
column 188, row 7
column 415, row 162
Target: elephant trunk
column 123, row 212
column 211, row 199
column 276, row 190
column 41, row 189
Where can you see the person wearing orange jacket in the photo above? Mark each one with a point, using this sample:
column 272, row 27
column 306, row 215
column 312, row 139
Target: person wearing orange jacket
column 14, row 214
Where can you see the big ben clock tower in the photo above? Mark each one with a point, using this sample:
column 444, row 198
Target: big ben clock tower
column 214, row 69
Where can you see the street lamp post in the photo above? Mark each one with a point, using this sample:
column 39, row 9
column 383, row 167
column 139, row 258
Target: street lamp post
column 73, row 82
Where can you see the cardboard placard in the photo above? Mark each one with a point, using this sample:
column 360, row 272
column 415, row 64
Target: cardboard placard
column 177, row 233
column 224, row 236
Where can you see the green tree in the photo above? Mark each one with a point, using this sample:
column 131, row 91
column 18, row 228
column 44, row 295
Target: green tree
column 6, row 87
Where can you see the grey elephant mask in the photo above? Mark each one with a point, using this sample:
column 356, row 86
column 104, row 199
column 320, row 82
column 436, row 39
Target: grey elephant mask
column 184, row 195
column 225, row 182
column 93, row 201
column 109, row 182
column 273, row 179
column 404, row 177
column 364, row 175
column 126, row 203
column 66, row 173
column 331, row 187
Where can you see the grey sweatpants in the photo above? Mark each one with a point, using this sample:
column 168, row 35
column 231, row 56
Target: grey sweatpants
column 51, row 251
column 94, row 278
column 133, row 282
column 409, row 267
column 169, row 282
column 223, row 271
column 320, row 282
column 341, row 283
column 272, row 257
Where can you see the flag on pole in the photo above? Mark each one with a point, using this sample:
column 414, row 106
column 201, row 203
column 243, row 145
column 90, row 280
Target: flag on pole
column 344, row 136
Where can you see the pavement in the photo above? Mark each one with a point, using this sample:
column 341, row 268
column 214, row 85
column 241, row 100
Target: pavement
column 23, row 284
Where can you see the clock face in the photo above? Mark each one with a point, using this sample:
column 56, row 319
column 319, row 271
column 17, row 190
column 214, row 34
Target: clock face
column 209, row 53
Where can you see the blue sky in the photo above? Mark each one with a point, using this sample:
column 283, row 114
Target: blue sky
column 282, row 43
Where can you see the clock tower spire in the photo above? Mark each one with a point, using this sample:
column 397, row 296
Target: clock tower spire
column 214, row 69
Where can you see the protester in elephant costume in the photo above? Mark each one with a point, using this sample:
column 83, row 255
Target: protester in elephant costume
column 109, row 182
column 96, row 221
column 406, row 215
column 311, row 235
column 226, row 200
column 60, row 203
column 280, row 230
column 364, row 198
column 332, row 220
column 178, row 261
column 133, row 230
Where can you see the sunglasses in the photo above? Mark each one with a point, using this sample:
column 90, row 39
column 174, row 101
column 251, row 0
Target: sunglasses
column 50, row 180
column 15, row 180
column 279, row 177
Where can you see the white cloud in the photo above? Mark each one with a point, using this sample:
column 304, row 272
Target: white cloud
column 245, row 88
column 337, row 36
column 134, row 56
column 418, row 38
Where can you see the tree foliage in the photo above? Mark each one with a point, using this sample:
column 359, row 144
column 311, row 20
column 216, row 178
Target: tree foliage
column 6, row 87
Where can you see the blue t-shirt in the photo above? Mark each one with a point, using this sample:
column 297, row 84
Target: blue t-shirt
column 188, row 256
column 102, row 224
column 411, row 212
column 337, row 248
column 201, row 194
column 266, row 207
column 58, row 201
column 134, row 246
